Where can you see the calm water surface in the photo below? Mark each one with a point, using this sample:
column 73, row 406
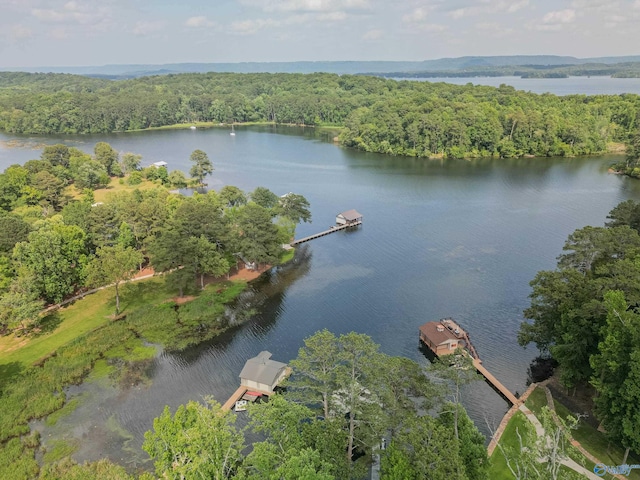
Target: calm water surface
column 455, row 238
column 558, row 86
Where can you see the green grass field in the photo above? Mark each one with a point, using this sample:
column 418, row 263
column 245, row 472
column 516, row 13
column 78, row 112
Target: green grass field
column 498, row 469
column 536, row 400
column 69, row 323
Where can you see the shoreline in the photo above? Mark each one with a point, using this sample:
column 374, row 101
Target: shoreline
column 207, row 125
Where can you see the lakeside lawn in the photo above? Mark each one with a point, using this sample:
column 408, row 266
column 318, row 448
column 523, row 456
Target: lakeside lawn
column 101, row 194
column 498, row 469
column 68, row 323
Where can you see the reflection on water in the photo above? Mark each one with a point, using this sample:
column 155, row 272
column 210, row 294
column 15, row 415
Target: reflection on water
column 440, row 238
column 111, row 419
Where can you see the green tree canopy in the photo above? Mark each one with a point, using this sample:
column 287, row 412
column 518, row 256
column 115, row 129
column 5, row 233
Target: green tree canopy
column 264, row 197
column 58, row 154
column 198, row 441
column 113, row 265
column 107, row 156
column 202, row 166
column 55, row 255
column 294, row 207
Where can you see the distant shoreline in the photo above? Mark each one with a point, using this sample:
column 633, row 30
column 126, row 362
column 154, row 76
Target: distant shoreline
column 205, row 125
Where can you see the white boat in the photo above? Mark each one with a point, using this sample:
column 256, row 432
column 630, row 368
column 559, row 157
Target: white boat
column 233, row 134
column 192, row 127
column 241, row 405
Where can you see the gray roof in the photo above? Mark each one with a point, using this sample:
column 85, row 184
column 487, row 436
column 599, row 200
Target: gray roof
column 262, row 369
column 351, row 215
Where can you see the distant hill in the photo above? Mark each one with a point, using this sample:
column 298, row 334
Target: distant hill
column 341, row 67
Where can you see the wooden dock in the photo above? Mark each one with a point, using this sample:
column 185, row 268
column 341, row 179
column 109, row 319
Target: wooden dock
column 235, row 396
column 455, row 332
column 326, row 232
column 504, row 391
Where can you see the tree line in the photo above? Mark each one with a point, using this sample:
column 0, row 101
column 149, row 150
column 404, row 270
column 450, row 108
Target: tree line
column 378, row 115
column 586, row 315
column 53, row 245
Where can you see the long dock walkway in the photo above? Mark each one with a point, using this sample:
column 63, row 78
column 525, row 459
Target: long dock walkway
column 445, row 336
column 477, row 363
column 326, row 232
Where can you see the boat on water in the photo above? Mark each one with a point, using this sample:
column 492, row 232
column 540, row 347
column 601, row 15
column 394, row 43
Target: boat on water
column 233, row 133
column 192, row 127
column 241, row 405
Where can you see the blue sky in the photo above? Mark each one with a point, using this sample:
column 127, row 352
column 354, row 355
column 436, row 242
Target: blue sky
column 90, row 32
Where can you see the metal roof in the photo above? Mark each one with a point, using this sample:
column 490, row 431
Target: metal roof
column 351, row 215
column 262, row 369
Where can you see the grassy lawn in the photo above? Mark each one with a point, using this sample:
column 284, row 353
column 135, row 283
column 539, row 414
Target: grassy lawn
column 114, row 186
column 536, row 400
column 73, row 321
column 498, row 469
column 596, row 443
column 287, row 256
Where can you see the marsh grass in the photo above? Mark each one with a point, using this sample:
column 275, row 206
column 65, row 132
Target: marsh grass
column 17, row 460
column 68, row 408
column 58, row 449
column 38, row 391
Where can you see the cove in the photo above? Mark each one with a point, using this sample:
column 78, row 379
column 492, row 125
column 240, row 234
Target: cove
column 440, row 238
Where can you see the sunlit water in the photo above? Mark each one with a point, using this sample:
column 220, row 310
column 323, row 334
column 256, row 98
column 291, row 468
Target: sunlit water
column 597, row 85
column 455, row 238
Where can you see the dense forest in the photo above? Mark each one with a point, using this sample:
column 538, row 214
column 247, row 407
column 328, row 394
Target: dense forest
column 586, row 315
column 378, row 115
column 52, row 244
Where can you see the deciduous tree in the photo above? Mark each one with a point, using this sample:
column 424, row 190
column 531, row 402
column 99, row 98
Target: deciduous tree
column 198, row 441
column 113, row 265
column 202, row 166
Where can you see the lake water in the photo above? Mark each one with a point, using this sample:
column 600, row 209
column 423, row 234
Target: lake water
column 440, row 238
column 558, row 86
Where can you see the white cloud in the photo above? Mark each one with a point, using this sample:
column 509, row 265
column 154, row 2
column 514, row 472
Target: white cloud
column 331, row 17
column 74, row 12
column 494, row 29
column 143, row 27
column 249, row 27
column 515, row 6
column 555, row 21
column 418, row 15
column 59, row 33
column 488, row 7
column 433, row 27
column 308, row 5
column 19, row 32
column 198, row 22
column 559, row 16
column 373, row 35
column 460, row 12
